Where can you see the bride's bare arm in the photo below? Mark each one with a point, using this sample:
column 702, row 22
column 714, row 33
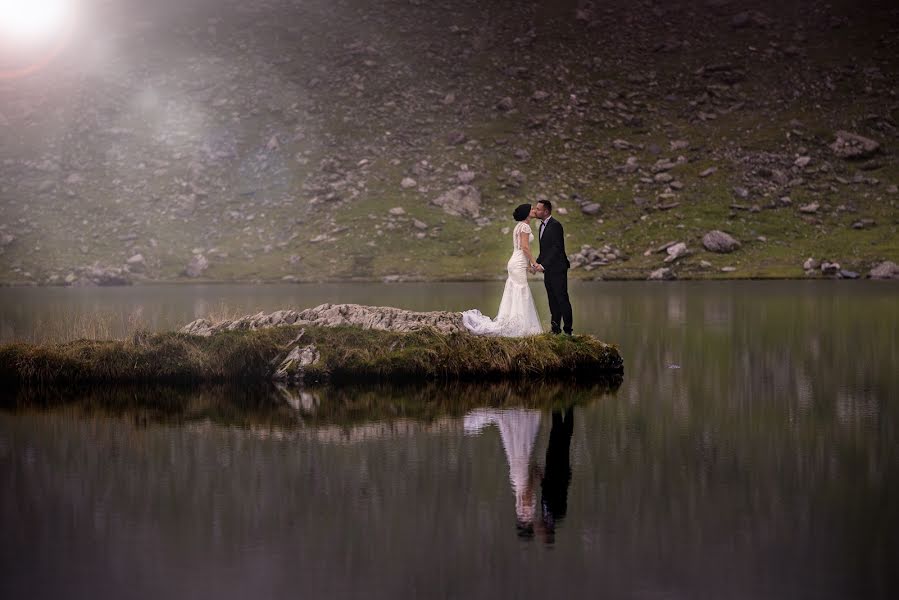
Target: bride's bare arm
column 524, row 238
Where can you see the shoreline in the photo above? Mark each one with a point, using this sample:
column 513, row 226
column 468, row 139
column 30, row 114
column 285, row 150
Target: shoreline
column 390, row 281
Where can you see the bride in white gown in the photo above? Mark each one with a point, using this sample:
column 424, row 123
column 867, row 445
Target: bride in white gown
column 517, row 314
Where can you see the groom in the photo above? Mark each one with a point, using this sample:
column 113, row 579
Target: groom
column 554, row 263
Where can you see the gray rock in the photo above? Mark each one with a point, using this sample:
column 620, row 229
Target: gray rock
column 408, row 183
column 294, row 365
column 810, row 264
column 752, row 18
column 662, row 274
column 454, row 138
column 505, row 104
column 101, row 276
column 397, row 211
column 852, row 146
column 462, row 201
column 848, row 274
column 676, row 251
column 830, row 268
column 885, row 270
column 197, row 266
column 630, row 165
column 465, row 177
column 663, row 177
column 720, row 242
column 810, row 208
column 333, row 315
column 590, row 208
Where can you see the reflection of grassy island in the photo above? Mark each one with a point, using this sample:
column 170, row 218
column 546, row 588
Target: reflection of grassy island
column 309, row 352
column 269, row 407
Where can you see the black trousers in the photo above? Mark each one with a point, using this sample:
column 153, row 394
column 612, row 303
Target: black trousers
column 556, row 283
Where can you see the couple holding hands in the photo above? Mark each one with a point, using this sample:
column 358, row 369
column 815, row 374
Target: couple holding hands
column 517, row 314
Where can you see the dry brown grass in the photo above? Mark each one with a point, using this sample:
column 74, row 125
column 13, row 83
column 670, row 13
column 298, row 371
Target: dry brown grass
column 104, row 325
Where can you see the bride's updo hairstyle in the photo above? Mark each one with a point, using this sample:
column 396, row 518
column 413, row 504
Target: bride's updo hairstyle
column 521, row 213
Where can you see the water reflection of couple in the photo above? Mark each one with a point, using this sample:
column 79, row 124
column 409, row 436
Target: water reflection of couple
column 518, row 429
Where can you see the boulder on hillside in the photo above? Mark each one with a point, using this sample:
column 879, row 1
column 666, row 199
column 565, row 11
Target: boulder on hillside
column 676, row 251
column 663, row 274
column 851, row 145
column 885, row 270
column 197, row 266
column 720, row 242
column 462, row 201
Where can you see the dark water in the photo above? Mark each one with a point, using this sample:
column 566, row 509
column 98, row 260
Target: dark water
column 750, row 451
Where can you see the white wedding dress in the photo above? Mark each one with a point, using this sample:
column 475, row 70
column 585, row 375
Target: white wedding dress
column 517, row 316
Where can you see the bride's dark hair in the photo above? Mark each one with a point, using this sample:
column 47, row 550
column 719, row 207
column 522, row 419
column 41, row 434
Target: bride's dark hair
column 521, row 213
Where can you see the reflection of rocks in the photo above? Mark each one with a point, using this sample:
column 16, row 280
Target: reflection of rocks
column 298, row 399
column 332, row 315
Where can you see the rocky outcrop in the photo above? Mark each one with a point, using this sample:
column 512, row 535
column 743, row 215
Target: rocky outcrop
column 384, row 318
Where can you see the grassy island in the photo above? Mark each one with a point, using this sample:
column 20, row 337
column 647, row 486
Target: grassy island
column 308, row 354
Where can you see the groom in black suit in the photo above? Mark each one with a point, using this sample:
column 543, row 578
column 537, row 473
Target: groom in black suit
column 554, row 263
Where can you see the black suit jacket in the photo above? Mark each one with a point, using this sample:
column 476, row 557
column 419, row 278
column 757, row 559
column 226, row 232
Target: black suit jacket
column 552, row 248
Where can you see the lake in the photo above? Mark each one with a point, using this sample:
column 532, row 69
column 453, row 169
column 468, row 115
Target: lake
column 750, row 450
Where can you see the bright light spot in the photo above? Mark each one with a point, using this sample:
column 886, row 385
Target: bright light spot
column 34, row 21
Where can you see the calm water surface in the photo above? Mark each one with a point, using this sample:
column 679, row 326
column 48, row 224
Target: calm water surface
column 750, row 451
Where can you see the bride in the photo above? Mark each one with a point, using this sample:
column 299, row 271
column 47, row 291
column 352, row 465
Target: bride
column 517, row 315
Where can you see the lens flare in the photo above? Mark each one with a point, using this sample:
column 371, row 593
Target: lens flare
column 33, row 21
column 32, row 33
